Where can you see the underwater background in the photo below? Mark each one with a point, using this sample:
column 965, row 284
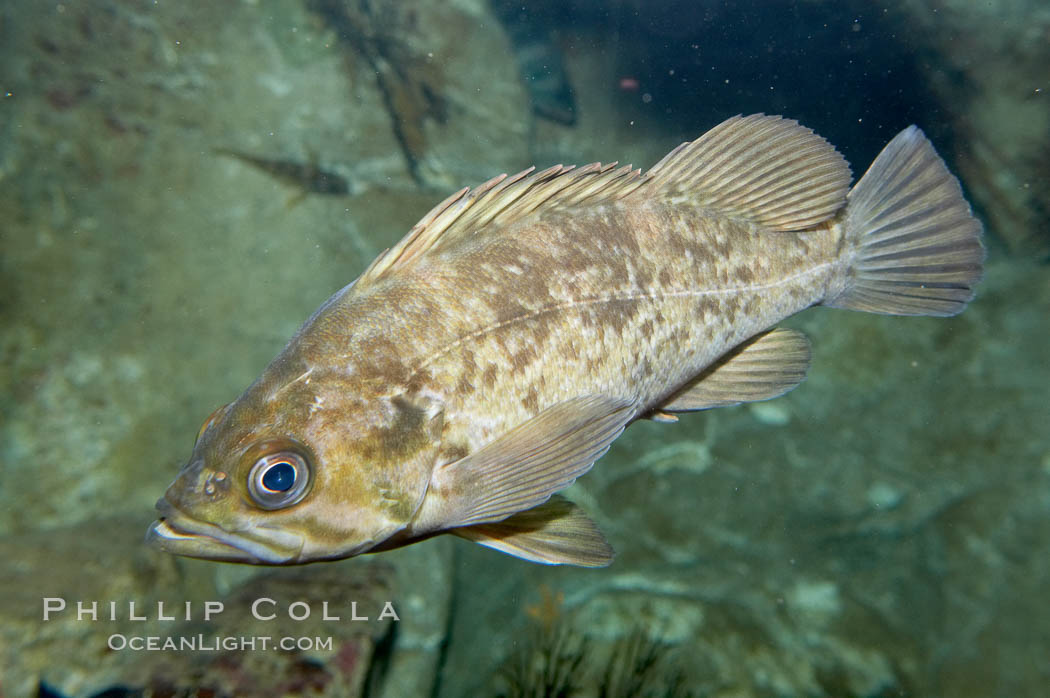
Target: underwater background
column 183, row 183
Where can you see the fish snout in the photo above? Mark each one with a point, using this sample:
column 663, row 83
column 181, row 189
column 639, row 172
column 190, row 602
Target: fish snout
column 165, row 508
column 196, row 485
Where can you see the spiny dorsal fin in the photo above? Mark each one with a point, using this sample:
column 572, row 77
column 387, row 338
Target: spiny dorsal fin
column 765, row 169
column 504, row 200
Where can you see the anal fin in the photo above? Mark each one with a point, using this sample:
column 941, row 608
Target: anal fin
column 764, row 367
column 554, row 533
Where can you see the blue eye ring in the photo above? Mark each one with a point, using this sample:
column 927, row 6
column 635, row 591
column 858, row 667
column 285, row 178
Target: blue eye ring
column 278, row 480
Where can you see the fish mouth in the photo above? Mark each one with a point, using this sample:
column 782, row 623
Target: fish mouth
column 179, row 534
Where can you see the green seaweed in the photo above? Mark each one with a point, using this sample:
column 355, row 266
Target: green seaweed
column 641, row 666
column 558, row 661
column 548, row 665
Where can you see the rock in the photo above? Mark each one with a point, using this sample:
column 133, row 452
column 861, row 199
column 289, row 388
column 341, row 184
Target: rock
column 95, row 562
column 298, row 631
column 346, row 622
column 990, row 75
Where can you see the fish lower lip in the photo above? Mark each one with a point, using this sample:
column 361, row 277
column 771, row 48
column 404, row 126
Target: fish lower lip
column 163, row 535
column 180, row 535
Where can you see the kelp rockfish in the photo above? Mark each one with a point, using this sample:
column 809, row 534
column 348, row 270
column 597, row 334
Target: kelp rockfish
column 488, row 359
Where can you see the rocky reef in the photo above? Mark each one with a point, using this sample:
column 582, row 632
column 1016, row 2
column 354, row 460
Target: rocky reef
column 876, row 532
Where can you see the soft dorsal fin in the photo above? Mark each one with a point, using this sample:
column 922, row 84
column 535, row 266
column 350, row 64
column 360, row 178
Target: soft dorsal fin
column 765, row 169
column 504, row 200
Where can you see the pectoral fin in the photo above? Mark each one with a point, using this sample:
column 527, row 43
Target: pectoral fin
column 765, row 366
column 554, row 533
column 522, row 468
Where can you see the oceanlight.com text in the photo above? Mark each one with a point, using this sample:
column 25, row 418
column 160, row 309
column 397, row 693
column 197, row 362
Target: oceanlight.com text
column 212, row 643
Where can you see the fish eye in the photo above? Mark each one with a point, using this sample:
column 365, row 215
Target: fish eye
column 279, row 477
column 278, row 480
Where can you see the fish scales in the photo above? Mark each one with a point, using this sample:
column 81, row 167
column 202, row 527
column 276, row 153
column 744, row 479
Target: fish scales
column 633, row 288
column 637, row 301
column 487, row 360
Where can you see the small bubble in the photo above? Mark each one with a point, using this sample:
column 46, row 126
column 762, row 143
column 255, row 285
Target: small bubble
column 882, row 495
column 647, row 98
column 770, row 413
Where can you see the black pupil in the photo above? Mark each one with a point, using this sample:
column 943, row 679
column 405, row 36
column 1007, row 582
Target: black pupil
column 279, row 478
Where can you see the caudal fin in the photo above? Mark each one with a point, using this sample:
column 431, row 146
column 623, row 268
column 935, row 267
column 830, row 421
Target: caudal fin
column 917, row 246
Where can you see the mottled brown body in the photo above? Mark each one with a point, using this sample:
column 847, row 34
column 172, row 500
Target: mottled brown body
column 487, row 360
column 625, row 299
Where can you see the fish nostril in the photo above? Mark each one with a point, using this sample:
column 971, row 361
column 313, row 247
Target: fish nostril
column 216, row 483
